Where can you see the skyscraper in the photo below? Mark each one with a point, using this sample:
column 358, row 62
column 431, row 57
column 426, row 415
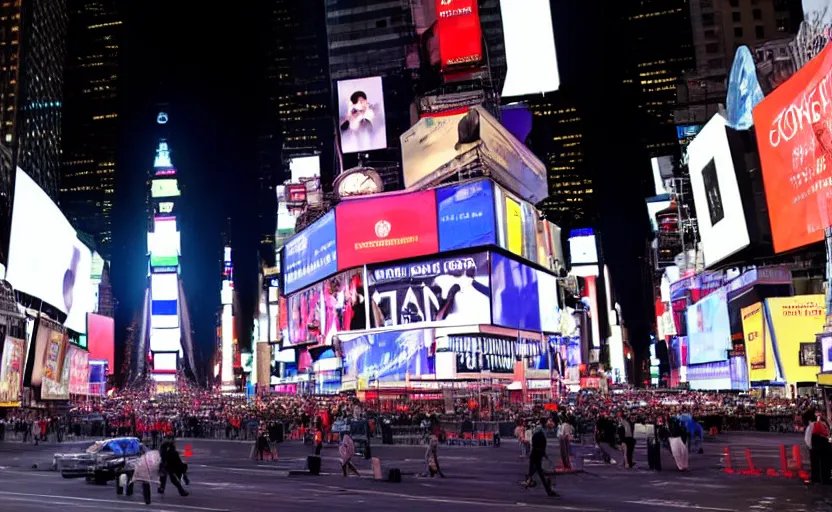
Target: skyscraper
column 91, row 123
column 32, row 58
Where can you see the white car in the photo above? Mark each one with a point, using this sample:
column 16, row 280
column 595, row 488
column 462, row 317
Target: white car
column 100, row 461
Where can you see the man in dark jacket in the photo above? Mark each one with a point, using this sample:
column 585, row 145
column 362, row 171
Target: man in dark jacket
column 173, row 467
column 538, row 453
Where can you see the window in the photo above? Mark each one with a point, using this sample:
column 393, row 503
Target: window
column 712, row 48
column 737, row 31
column 757, row 13
column 759, row 32
column 710, row 34
column 734, row 3
column 708, row 20
column 736, row 17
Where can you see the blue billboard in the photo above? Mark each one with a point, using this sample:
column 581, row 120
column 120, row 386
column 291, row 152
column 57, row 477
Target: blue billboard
column 310, row 256
column 388, row 356
column 466, row 215
column 744, row 91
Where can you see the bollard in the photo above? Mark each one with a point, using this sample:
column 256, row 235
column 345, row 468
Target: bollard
column 751, row 469
column 798, row 462
column 727, row 464
column 784, row 465
column 376, row 468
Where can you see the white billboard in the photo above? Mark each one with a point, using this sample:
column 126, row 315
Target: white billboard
column 530, row 48
column 716, row 194
column 305, row 167
column 165, row 340
column 361, row 117
column 165, row 361
column 46, row 259
column 164, row 286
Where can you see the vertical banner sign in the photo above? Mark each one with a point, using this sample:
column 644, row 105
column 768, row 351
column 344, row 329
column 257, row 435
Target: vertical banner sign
column 752, row 326
column 460, row 34
column 514, row 227
column 54, row 357
column 11, row 372
column 794, row 133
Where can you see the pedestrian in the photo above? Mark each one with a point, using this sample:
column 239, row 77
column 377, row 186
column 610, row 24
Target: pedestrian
column 605, row 436
column 538, row 453
column 171, row 466
column 520, row 435
column 319, row 441
column 655, row 435
column 347, row 452
column 628, row 439
column 565, row 433
column 145, row 471
column 36, row 431
column 817, row 439
column 678, row 436
column 432, row 456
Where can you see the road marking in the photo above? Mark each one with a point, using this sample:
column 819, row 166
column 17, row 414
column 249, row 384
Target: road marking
column 97, row 500
column 676, row 504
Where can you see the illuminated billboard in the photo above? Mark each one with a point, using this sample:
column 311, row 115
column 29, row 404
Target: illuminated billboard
column 46, row 259
column 794, row 323
column 523, row 297
column 304, row 167
column 165, row 187
column 459, row 32
column 386, row 228
column 531, row 58
column 362, row 122
column 11, row 371
column 744, row 91
column 101, row 339
column 165, row 362
column 165, row 340
column 709, row 329
column 716, row 193
column 794, row 135
column 306, row 316
column 164, row 261
column 311, row 254
column 466, row 215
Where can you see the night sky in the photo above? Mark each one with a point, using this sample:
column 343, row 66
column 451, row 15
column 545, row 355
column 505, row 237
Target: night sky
column 206, row 64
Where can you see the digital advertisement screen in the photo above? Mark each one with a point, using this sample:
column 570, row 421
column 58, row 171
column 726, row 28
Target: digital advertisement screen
column 386, row 228
column 826, row 354
column 388, row 356
column 514, row 227
column 165, row 362
column 459, row 32
column 794, row 135
column 101, row 339
column 362, row 122
column 654, row 206
column 345, row 304
column 46, row 259
column 744, row 91
column 53, row 358
column 165, row 340
column 164, row 286
column 164, row 261
column 37, row 352
column 466, row 215
column 306, row 316
column 759, row 351
column 304, row 167
column 716, row 193
column 582, row 247
column 79, row 371
column 442, row 291
column 311, row 254
column 794, row 323
column 709, row 329
column 164, row 243
column 58, row 388
column 483, row 352
column 530, row 48
column 167, row 187
column 523, row 297
column 11, row 371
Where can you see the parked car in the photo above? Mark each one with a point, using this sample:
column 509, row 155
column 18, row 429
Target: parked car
column 100, row 461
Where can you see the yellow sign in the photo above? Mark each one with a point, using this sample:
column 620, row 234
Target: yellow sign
column 795, row 321
column 514, row 226
column 758, row 348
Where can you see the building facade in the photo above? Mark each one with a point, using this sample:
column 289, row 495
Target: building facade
column 90, row 120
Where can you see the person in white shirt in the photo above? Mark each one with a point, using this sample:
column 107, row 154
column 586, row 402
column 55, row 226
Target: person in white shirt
column 565, row 433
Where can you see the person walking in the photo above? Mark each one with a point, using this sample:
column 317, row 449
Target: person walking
column 520, row 435
column 538, row 453
column 605, row 436
column 628, row 439
column 678, row 436
column 171, row 466
column 817, row 439
column 36, row 432
column 565, row 433
column 432, row 456
column 144, row 471
column 347, row 452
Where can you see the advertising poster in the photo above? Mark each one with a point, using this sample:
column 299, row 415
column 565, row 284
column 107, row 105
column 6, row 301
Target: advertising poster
column 466, row 215
column 345, row 305
column 389, row 356
column 386, row 228
column 310, row 255
column 362, row 122
column 516, row 296
column 11, row 373
column 53, row 359
column 709, row 329
column 483, row 352
column 305, row 315
column 744, row 92
column 441, row 291
column 530, row 48
column 826, row 353
column 79, row 371
column 758, row 349
column 430, row 145
column 794, row 135
column 794, row 322
column 460, row 34
column 57, row 389
column 514, row 227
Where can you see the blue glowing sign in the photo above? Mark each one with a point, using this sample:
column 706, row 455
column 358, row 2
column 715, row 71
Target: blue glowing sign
column 311, row 256
column 466, row 215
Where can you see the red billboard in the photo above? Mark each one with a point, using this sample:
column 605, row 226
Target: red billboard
column 459, row 32
column 794, row 134
column 101, row 332
column 386, row 228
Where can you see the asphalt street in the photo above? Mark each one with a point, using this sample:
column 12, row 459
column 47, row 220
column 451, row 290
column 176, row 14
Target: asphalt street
column 482, row 479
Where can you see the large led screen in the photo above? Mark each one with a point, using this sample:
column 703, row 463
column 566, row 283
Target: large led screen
column 79, row 371
column 165, row 340
column 530, row 48
column 744, row 91
column 709, row 329
column 58, row 388
column 345, row 304
column 523, row 297
column 165, row 362
column 466, row 215
column 583, row 249
column 46, row 259
column 460, row 34
column 164, row 286
column 164, row 261
column 794, row 323
column 11, row 371
column 167, row 187
column 386, row 228
column 305, row 167
column 716, row 193
column 361, row 112
column 483, row 352
column 794, row 135
column 311, row 254
column 388, row 356
column 439, row 291
column 101, row 339
column 306, row 316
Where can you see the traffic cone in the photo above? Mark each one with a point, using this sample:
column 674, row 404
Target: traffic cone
column 188, row 451
column 798, row 462
column 727, row 463
column 752, row 470
column 784, row 464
